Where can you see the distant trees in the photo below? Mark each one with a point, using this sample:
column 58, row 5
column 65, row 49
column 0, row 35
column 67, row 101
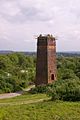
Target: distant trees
column 68, row 67
column 17, row 71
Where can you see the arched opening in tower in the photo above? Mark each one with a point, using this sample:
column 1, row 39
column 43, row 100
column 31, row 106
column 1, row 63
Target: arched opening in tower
column 52, row 76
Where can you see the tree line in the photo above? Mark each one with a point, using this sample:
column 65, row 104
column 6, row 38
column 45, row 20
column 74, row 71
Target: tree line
column 17, row 71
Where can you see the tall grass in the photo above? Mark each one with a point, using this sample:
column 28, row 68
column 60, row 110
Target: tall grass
column 41, row 111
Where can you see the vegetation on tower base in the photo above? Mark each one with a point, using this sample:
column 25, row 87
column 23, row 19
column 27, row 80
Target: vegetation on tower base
column 39, row 89
column 68, row 90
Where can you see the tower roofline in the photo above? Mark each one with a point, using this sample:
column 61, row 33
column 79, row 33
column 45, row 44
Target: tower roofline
column 47, row 36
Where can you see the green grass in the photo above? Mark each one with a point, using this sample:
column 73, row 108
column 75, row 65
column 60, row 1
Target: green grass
column 46, row 110
column 24, row 97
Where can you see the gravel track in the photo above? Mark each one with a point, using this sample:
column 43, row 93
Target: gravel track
column 10, row 95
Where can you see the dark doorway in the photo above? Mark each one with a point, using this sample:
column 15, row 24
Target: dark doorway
column 52, row 77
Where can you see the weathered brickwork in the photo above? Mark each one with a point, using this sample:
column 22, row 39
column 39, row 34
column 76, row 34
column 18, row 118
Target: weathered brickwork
column 46, row 60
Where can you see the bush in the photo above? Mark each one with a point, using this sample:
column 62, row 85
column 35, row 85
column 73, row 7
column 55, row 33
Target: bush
column 39, row 89
column 68, row 90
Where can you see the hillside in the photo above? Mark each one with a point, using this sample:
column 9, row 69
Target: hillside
column 25, row 108
column 17, row 71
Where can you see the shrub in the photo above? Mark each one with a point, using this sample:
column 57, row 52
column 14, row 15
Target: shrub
column 39, row 89
column 68, row 90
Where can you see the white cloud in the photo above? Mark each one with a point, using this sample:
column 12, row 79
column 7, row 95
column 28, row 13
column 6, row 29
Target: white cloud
column 20, row 20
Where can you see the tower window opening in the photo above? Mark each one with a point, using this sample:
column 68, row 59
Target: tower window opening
column 52, row 77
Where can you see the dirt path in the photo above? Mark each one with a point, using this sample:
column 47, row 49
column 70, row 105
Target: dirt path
column 10, row 95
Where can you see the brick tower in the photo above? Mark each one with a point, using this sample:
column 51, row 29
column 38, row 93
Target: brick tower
column 46, row 60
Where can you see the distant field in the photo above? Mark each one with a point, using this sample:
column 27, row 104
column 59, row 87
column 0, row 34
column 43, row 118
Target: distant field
column 46, row 110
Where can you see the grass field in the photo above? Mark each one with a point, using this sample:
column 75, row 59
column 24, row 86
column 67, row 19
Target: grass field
column 45, row 110
column 23, row 98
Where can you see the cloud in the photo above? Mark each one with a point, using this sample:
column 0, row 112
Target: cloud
column 38, row 10
column 20, row 20
column 27, row 10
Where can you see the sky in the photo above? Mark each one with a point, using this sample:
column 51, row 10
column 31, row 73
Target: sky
column 21, row 21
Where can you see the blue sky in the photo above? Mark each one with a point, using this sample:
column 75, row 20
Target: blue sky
column 22, row 20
